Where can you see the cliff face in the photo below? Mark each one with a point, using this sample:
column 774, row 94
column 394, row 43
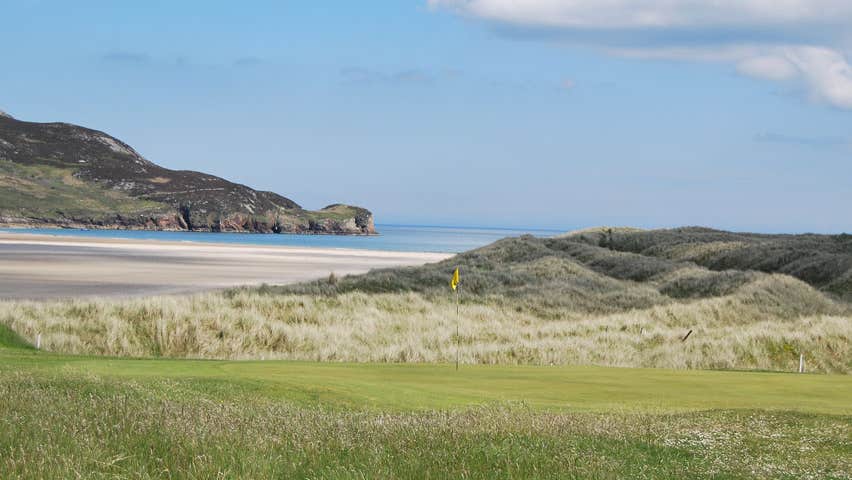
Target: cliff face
column 57, row 174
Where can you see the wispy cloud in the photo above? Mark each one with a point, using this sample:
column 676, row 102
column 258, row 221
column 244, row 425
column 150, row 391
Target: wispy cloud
column 126, row 58
column 814, row 142
column 803, row 41
column 249, row 61
column 401, row 77
column 143, row 59
column 413, row 76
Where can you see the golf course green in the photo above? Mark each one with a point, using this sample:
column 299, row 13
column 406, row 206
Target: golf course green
column 402, row 387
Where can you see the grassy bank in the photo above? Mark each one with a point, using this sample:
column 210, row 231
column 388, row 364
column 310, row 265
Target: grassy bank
column 738, row 331
column 64, row 416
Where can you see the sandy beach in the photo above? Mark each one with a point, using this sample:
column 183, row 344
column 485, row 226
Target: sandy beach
column 49, row 266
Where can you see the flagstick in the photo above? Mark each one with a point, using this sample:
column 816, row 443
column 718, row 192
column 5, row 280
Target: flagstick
column 458, row 288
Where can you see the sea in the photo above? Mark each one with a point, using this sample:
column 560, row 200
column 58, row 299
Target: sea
column 402, row 238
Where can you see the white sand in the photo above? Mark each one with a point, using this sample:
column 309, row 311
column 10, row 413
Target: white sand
column 48, row 266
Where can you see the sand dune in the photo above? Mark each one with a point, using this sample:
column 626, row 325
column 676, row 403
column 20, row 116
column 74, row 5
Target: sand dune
column 47, row 266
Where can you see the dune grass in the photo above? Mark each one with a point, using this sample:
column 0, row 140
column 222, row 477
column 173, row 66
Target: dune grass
column 747, row 330
column 823, row 261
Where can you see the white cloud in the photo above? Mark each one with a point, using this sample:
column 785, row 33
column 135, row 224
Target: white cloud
column 827, row 72
column 653, row 13
column 778, row 40
column 770, row 67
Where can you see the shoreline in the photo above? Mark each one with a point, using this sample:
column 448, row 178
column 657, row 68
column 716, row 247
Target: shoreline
column 50, row 266
column 7, row 237
column 118, row 228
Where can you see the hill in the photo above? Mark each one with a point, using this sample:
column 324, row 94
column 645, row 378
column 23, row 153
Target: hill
column 58, row 174
column 823, row 261
column 599, row 271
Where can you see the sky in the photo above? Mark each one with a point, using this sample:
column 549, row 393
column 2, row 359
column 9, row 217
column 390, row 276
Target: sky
column 562, row 114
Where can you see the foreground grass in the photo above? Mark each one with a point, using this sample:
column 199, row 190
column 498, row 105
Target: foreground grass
column 66, row 417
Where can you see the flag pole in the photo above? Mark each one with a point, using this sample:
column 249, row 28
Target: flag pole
column 457, row 326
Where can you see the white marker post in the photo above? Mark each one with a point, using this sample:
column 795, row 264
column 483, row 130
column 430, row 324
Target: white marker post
column 38, row 342
column 801, row 363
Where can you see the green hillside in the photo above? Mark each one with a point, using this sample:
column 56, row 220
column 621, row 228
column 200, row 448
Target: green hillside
column 52, row 193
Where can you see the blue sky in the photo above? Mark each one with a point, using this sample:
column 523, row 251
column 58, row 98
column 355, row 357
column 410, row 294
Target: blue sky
column 464, row 112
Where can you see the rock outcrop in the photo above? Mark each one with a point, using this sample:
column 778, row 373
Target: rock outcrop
column 58, row 174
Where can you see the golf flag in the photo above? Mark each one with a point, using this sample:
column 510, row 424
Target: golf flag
column 454, row 283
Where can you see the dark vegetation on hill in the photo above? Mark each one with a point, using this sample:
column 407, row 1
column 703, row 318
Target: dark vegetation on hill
column 823, row 261
column 602, row 272
column 57, row 174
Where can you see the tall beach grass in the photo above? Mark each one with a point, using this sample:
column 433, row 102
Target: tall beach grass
column 749, row 329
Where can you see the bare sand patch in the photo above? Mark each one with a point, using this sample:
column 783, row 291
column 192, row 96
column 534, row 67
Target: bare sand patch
column 48, row 266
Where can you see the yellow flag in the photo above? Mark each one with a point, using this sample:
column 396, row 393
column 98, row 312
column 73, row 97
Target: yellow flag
column 454, row 283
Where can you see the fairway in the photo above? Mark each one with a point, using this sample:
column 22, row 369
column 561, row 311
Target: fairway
column 404, row 387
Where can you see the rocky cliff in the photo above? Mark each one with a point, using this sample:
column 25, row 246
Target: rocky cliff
column 58, row 174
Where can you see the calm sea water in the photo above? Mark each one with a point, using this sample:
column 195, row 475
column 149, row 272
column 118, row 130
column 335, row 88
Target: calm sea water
column 392, row 237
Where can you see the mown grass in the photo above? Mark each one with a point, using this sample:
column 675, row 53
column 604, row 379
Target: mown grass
column 64, row 417
column 398, row 387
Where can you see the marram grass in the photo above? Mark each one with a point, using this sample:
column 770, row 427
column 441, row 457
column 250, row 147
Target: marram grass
column 740, row 331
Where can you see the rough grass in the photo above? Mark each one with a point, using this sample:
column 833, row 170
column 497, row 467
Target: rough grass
column 68, row 426
column 750, row 329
